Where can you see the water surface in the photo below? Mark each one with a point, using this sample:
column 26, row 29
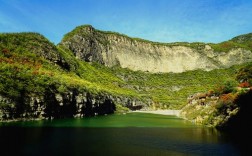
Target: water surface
column 130, row 134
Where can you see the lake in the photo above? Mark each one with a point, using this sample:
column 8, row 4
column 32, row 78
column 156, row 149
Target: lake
column 130, row 134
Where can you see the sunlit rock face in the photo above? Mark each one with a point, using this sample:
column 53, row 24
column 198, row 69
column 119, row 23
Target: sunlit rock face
column 113, row 49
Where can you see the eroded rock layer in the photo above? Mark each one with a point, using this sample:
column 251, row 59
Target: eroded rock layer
column 113, row 49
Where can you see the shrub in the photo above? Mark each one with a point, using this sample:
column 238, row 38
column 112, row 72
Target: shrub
column 228, row 98
column 244, row 74
column 228, row 87
column 244, row 84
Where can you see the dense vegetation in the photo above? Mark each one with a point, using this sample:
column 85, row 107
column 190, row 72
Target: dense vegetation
column 23, row 68
column 232, row 107
column 30, row 64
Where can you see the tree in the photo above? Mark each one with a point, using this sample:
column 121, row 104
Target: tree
column 245, row 74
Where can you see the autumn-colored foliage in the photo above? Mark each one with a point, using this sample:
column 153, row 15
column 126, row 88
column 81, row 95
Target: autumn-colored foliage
column 226, row 45
column 210, row 93
column 244, row 84
column 228, row 98
column 228, row 87
column 5, row 51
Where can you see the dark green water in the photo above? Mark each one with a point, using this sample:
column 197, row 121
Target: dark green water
column 131, row 134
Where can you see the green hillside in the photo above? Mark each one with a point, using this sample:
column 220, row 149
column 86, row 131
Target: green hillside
column 30, row 64
column 242, row 41
column 26, row 67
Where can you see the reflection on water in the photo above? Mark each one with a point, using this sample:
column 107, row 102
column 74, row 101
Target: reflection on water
column 129, row 120
column 78, row 140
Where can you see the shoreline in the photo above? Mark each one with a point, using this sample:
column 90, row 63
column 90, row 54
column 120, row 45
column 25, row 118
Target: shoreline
column 161, row 112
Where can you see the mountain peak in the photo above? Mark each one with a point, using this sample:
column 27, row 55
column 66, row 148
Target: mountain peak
column 86, row 27
column 242, row 38
column 112, row 49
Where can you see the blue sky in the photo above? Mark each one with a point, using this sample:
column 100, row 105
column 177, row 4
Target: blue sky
column 156, row 20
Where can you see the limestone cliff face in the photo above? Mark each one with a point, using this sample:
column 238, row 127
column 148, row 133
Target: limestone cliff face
column 112, row 49
column 72, row 103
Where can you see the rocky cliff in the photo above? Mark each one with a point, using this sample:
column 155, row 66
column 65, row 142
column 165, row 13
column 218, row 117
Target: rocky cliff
column 226, row 111
column 41, row 80
column 72, row 103
column 113, row 49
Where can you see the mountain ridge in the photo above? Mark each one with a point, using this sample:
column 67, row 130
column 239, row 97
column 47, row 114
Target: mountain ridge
column 92, row 28
column 42, row 80
column 111, row 49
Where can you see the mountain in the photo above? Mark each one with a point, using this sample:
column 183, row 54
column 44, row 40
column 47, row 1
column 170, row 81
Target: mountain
column 42, row 80
column 245, row 38
column 113, row 49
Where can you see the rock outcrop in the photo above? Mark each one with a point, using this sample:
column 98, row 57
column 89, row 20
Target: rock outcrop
column 41, row 80
column 112, row 49
column 52, row 105
column 30, row 89
column 222, row 111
